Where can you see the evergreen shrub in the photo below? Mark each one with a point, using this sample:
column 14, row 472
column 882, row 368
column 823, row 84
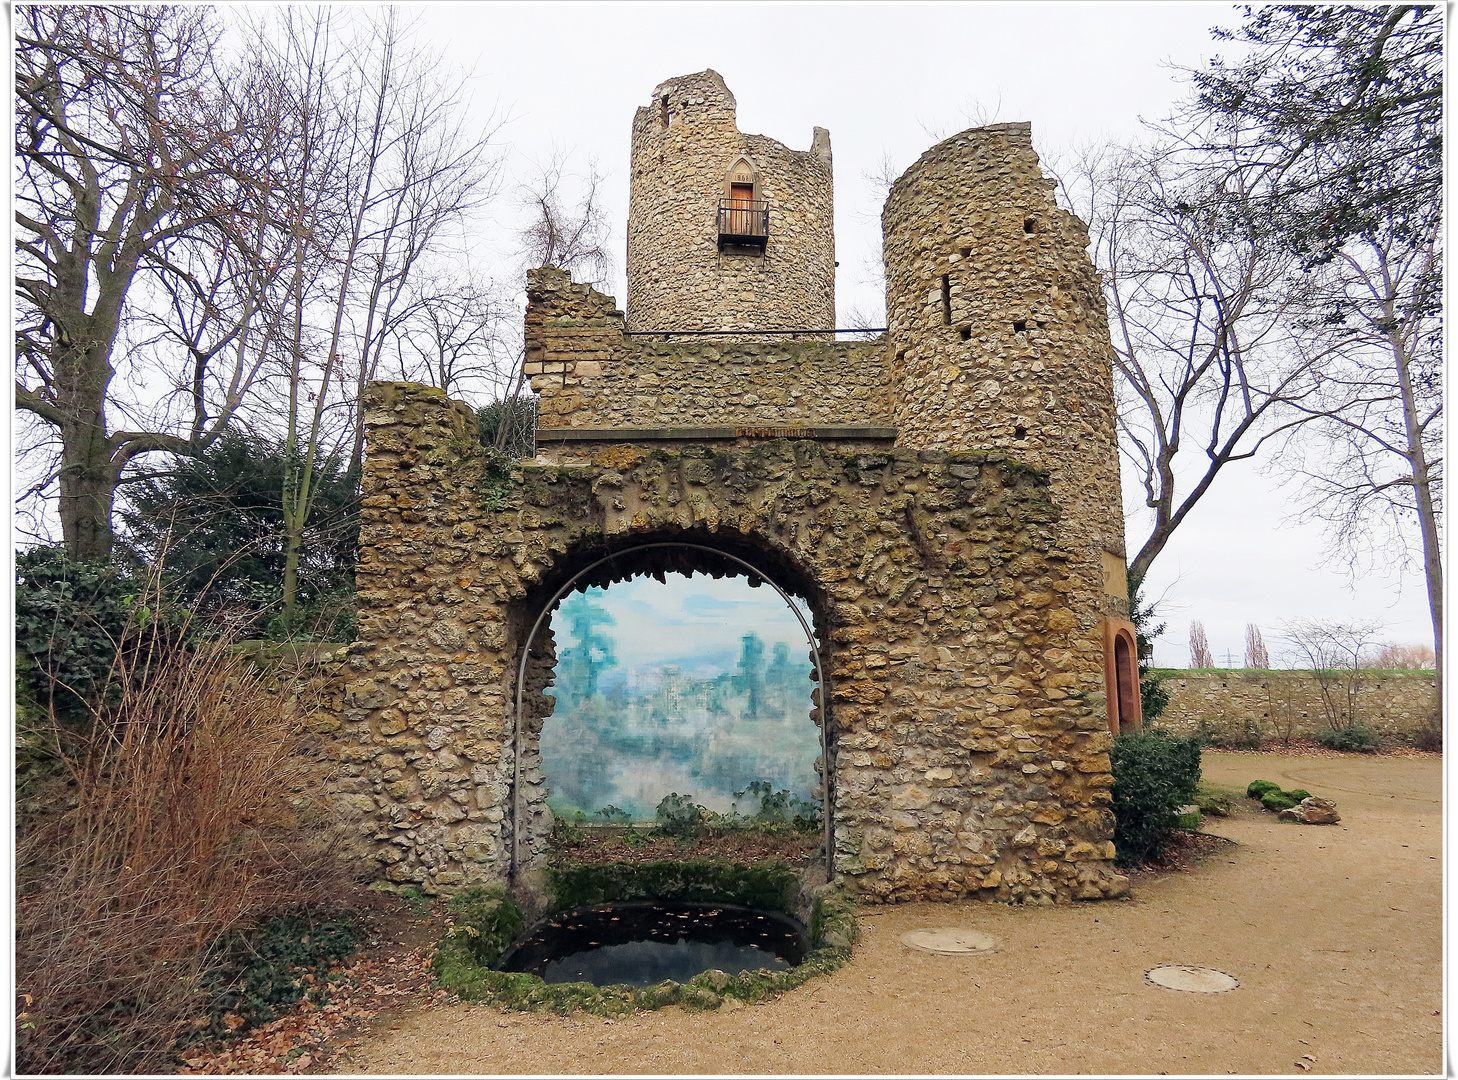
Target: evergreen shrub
column 1155, row 773
column 1357, row 737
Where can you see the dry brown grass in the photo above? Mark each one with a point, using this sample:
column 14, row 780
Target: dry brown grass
column 160, row 850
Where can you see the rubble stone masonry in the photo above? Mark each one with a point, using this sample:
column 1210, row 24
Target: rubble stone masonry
column 586, row 374
column 1276, row 704
column 685, row 145
column 946, row 500
column 969, row 750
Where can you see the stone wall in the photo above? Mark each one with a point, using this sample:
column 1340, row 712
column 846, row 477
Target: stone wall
column 968, row 741
column 999, row 339
column 588, row 375
column 1278, row 703
column 684, row 145
column 997, row 323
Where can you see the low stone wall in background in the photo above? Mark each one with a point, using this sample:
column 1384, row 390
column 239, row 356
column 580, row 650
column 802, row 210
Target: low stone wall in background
column 1278, row 704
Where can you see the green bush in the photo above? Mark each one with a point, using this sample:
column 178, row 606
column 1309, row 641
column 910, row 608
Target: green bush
column 69, row 618
column 1358, row 737
column 679, row 815
column 1155, row 773
column 1278, row 800
column 1258, row 788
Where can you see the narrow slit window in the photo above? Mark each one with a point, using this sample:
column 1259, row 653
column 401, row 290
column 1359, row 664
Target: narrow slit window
column 1030, row 225
column 664, row 104
column 946, row 300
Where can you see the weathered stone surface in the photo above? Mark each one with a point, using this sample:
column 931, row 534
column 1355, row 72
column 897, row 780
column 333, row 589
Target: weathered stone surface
column 958, row 579
column 685, row 143
column 1276, row 703
column 867, row 557
column 1312, row 811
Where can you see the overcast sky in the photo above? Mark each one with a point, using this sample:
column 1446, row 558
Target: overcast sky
column 888, row 81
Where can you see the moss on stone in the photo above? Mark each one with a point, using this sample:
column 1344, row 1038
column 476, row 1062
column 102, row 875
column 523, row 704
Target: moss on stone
column 770, row 885
column 1278, row 800
column 1258, row 788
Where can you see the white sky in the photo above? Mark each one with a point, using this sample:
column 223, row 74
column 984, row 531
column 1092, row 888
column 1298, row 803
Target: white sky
column 888, row 81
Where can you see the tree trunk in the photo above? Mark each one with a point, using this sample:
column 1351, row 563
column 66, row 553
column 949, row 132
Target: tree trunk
column 1427, row 515
column 88, row 475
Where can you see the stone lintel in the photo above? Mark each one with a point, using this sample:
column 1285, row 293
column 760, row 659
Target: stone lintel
column 748, row 431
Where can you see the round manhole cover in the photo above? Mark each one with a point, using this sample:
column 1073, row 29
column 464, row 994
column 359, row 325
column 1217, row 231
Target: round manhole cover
column 950, row 941
column 1196, row 980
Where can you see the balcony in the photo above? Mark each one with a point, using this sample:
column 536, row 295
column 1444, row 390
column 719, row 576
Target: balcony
column 743, row 225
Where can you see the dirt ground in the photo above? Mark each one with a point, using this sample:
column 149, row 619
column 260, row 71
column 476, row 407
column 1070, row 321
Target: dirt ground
column 1334, row 933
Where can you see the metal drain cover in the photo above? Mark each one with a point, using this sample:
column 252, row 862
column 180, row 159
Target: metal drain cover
column 1196, row 980
column 949, row 941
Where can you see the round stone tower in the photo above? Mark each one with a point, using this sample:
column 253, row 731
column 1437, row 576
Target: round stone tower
column 999, row 340
column 725, row 231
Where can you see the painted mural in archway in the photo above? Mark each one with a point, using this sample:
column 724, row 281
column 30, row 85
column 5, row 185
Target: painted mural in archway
column 694, row 686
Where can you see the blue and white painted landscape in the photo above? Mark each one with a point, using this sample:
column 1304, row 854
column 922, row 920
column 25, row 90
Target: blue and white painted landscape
column 695, row 685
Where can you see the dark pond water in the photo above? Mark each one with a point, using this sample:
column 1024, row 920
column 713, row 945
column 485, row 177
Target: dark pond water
column 644, row 943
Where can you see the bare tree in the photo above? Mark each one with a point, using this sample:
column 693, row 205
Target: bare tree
column 1201, row 308
column 569, row 236
column 1334, row 651
column 380, row 168
column 1404, row 658
column 143, row 162
column 453, row 336
column 1377, row 443
column 1200, row 657
column 1256, row 656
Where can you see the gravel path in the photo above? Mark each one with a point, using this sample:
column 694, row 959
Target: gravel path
column 1334, row 933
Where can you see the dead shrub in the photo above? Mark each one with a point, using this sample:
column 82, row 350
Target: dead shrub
column 161, row 847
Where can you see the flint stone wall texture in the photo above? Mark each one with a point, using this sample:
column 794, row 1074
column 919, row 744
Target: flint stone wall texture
column 961, row 580
column 969, row 748
column 999, row 335
column 684, row 145
column 1399, row 704
column 587, row 374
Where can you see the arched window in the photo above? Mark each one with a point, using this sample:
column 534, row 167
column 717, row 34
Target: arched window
column 1121, row 677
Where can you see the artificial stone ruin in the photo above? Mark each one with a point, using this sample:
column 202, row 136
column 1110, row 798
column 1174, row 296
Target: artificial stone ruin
column 945, row 498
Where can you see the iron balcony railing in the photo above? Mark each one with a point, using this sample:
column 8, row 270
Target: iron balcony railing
column 743, row 223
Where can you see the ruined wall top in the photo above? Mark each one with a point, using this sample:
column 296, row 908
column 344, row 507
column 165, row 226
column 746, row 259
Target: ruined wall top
column 588, row 374
column 998, row 334
column 688, row 155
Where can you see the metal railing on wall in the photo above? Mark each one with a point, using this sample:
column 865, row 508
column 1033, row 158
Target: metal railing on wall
column 743, row 221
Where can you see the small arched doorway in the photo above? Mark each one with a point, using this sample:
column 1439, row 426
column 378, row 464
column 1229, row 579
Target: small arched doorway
column 1121, row 677
column 536, row 659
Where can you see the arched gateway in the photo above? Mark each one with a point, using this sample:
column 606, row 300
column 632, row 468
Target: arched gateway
column 945, row 499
